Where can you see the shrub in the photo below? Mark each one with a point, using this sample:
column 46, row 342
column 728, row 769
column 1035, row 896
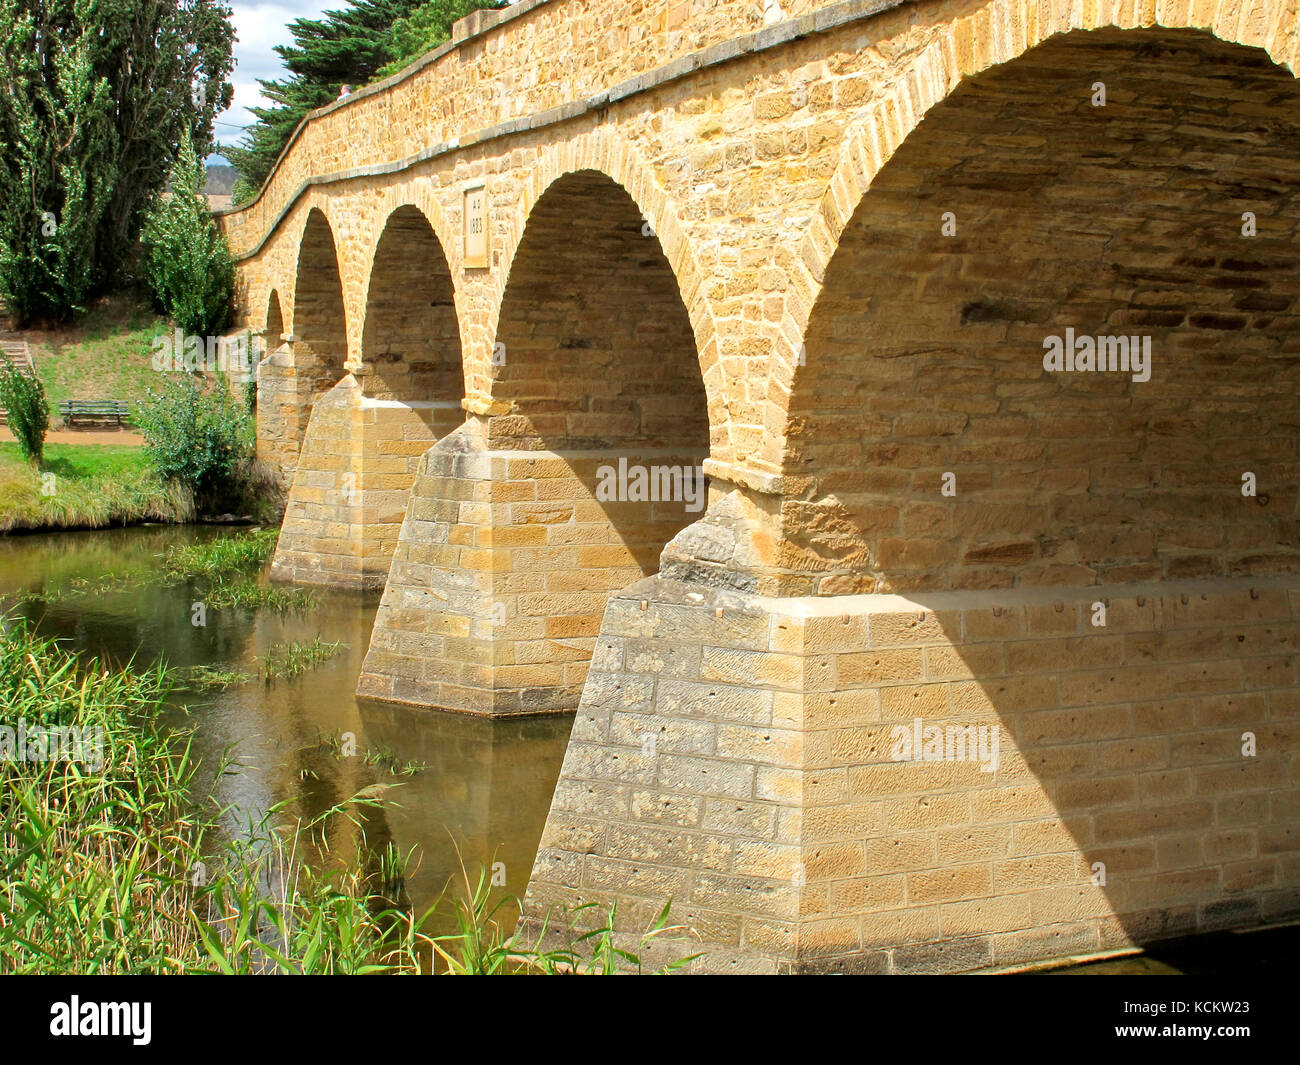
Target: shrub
column 200, row 438
column 23, row 397
column 186, row 261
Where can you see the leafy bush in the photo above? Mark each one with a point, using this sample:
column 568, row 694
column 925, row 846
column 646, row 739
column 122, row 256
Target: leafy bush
column 200, row 438
column 186, row 261
column 23, row 397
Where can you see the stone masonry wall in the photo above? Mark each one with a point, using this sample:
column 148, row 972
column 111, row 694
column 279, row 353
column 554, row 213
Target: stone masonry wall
column 738, row 755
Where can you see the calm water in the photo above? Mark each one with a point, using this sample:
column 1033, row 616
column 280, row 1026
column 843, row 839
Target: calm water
column 486, row 785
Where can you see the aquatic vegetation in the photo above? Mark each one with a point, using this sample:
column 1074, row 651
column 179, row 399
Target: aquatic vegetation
column 208, row 678
column 250, row 594
column 221, row 556
column 386, row 758
column 292, row 658
column 382, row 756
column 95, row 860
column 115, row 864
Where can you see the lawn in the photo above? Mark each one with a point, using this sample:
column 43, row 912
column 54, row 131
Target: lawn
column 85, row 486
column 107, row 354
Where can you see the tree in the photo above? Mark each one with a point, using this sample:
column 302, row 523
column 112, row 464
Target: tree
column 428, row 26
column 348, row 47
column 95, row 97
column 28, row 414
column 186, row 261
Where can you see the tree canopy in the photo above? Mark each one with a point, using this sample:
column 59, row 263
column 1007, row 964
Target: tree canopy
column 96, row 97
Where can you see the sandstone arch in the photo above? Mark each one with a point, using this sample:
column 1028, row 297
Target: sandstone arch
column 273, row 323
column 320, row 345
column 924, row 350
column 410, row 345
column 596, row 384
column 313, row 358
column 957, row 46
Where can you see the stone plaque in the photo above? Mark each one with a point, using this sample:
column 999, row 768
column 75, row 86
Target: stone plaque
column 475, row 228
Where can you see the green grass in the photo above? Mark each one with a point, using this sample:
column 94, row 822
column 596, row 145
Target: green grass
column 93, row 485
column 208, row 678
column 221, row 557
column 107, row 354
column 250, row 594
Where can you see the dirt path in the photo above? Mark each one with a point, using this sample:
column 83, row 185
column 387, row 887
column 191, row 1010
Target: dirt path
column 86, row 436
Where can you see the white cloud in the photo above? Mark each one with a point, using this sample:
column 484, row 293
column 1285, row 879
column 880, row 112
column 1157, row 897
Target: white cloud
column 259, row 27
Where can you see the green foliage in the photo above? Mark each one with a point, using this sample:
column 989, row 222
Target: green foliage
column 94, row 859
column 424, row 29
column 365, row 40
column 97, row 96
column 187, row 264
column 23, row 397
column 197, row 437
column 58, row 167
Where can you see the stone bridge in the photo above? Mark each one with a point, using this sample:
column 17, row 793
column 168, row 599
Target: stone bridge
column 980, row 319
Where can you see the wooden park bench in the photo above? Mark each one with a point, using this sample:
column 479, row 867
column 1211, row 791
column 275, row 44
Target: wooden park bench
column 95, row 410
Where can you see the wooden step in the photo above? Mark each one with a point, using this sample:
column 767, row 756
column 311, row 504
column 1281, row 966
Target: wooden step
column 15, row 350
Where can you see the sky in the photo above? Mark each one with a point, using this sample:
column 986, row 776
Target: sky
column 259, row 27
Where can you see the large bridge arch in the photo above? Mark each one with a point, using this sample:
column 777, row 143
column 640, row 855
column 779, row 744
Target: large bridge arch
column 921, row 299
column 605, row 151
column 993, row 33
column 411, row 334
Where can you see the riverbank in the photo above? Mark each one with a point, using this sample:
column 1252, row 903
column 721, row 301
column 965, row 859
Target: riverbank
column 86, row 486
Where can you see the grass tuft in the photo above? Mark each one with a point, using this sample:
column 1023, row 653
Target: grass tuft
column 86, row 486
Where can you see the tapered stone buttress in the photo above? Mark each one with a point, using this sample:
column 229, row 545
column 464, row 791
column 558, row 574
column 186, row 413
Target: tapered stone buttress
column 940, row 783
column 351, row 484
column 504, row 562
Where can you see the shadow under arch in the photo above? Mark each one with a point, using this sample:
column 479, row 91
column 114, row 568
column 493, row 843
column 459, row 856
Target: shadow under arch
column 410, row 345
column 597, row 364
column 273, row 330
column 320, row 341
column 1147, row 773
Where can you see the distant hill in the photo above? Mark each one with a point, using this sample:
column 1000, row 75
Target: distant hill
column 221, row 179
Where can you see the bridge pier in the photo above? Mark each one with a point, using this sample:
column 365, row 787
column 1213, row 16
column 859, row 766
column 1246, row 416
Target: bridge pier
column 358, row 460
column 931, row 783
column 501, row 572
